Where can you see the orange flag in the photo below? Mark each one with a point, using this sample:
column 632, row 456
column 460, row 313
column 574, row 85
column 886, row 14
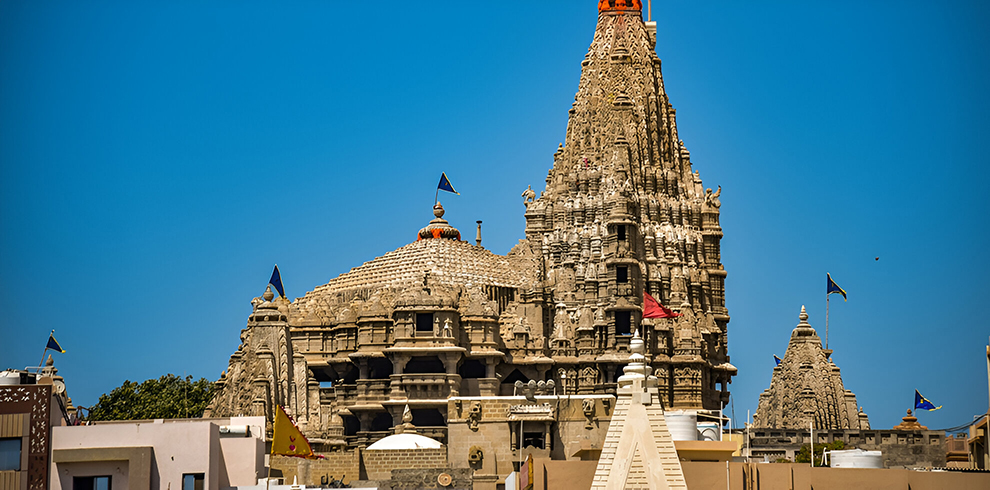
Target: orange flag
column 287, row 440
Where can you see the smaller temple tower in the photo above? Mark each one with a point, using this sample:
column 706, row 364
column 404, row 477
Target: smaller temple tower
column 807, row 388
column 265, row 371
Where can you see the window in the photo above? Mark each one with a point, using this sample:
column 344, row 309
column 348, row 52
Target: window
column 620, row 232
column 192, row 481
column 10, row 454
column 91, row 483
column 623, row 323
column 535, row 439
column 424, row 322
column 622, row 274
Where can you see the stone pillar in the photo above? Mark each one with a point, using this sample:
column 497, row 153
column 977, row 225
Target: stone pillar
column 490, row 363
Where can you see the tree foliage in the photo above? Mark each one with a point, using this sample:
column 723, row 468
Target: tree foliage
column 168, row 397
column 804, row 454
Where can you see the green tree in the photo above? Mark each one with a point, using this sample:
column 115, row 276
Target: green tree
column 168, row 397
column 804, row 454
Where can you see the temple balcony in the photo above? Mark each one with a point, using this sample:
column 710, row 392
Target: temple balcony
column 425, row 386
column 479, row 387
column 372, row 390
column 346, row 394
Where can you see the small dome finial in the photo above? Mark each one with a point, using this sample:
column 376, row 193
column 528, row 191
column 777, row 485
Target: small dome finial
column 269, row 295
column 637, row 367
column 636, row 345
column 804, row 315
column 438, row 227
column 619, row 5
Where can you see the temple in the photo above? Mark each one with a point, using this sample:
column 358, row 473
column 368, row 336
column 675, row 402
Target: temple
column 449, row 328
column 806, row 389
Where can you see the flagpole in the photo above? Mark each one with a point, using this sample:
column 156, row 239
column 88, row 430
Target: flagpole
column 986, row 437
column 826, row 319
column 812, row 425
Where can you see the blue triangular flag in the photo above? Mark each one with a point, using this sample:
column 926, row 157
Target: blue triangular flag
column 444, row 184
column 276, row 281
column 53, row 344
column 832, row 287
column 922, row 403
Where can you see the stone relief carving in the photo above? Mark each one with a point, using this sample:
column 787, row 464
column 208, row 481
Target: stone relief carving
column 588, row 408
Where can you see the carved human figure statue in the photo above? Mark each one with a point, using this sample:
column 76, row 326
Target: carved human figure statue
column 712, row 198
column 529, row 194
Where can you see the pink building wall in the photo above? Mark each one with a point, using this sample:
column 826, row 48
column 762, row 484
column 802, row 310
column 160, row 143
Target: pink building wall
column 177, row 447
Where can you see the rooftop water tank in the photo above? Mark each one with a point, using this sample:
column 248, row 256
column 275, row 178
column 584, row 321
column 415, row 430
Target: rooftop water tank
column 709, row 431
column 855, row 458
column 683, row 425
column 10, row 378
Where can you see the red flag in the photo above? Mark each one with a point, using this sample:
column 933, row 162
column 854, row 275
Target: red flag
column 653, row 309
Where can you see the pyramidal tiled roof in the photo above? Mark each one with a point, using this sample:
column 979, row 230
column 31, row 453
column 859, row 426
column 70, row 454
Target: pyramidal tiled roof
column 448, row 261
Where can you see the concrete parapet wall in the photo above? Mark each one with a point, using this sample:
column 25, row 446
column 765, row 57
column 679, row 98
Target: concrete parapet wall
column 745, row 476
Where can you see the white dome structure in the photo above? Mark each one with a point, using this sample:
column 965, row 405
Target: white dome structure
column 406, row 441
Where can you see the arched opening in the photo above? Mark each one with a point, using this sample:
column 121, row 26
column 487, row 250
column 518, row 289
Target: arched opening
column 514, row 376
column 507, row 388
column 351, row 425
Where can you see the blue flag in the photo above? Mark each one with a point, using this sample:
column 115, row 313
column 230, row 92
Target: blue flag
column 53, row 344
column 444, row 184
column 276, row 281
column 834, row 288
column 922, row 403
column 776, row 359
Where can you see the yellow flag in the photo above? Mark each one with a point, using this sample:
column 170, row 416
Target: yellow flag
column 287, row 440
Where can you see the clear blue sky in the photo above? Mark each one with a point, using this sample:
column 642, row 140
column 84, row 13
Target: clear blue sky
column 158, row 158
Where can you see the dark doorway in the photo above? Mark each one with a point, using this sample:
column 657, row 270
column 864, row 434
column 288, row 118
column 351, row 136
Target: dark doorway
column 623, row 323
column 381, row 422
column 424, row 365
column 428, row 417
column 424, row 322
column 381, row 368
column 472, row 368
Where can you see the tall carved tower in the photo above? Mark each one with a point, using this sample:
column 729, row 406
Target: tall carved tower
column 623, row 212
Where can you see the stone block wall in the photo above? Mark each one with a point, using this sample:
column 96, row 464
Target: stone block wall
column 341, row 465
column 900, row 448
column 378, row 465
column 428, row 478
column 358, row 464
